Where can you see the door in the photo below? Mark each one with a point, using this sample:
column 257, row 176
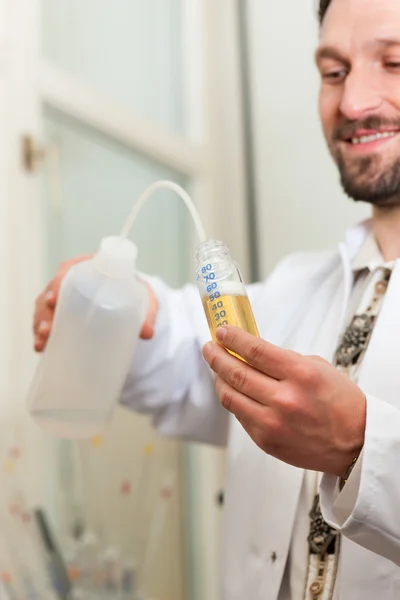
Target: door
column 111, row 100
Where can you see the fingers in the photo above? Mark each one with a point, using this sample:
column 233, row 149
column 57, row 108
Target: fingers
column 46, row 304
column 47, row 301
column 42, row 322
column 247, row 411
column 152, row 311
column 44, row 309
column 41, row 337
column 267, row 358
column 241, row 376
column 51, row 298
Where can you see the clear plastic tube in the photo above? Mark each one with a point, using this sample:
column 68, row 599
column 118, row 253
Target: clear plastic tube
column 220, row 284
column 178, row 190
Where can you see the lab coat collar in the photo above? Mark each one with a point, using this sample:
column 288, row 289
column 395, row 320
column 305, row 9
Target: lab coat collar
column 361, row 249
column 348, row 250
column 355, row 237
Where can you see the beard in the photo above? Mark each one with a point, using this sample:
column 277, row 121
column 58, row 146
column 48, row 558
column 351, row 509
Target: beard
column 367, row 179
column 364, row 181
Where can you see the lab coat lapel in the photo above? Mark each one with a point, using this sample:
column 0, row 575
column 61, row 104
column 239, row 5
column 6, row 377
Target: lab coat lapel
column 319, row 321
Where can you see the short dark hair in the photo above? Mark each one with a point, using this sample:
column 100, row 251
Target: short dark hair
column 323, row 7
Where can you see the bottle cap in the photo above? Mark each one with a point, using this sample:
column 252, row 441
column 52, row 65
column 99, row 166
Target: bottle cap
column 116, row 257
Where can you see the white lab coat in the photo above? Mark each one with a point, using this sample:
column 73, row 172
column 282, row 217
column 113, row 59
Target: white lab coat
column 302, row 306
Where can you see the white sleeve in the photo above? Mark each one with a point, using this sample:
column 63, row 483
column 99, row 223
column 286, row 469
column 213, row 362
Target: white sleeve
column 367, row 510
column 169, row 378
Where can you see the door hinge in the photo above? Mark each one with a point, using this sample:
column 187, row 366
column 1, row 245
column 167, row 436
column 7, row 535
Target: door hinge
column 32, row 153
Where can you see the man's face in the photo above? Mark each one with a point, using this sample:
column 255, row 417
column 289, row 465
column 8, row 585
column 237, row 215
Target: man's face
column 359, row 62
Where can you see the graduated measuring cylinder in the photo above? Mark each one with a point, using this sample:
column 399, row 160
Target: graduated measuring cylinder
column 221, row 288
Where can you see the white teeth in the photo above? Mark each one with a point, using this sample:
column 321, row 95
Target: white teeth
column 365, row 139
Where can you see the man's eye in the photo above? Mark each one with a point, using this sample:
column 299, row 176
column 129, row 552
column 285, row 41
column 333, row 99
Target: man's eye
column 334, row 76
column 393, row 65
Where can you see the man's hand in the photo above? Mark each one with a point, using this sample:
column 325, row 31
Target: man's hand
column 46, row 304
column 297, row 408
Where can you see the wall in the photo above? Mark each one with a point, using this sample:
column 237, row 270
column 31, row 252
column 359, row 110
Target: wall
column 299, row 201
column 4, row 225
column 20, row 245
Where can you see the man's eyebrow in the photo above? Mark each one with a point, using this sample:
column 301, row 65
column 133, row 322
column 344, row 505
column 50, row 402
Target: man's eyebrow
column 387, row 42
column 332, row 53
column 329, row 52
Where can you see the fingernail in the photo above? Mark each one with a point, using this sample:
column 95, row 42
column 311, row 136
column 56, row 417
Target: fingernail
column 43, row 327
column 50, row 296
column 221, row 333
column 207, row 350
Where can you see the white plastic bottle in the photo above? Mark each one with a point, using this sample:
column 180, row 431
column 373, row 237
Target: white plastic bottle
column 101, row 308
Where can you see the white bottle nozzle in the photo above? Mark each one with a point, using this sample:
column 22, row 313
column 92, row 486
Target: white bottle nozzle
column 116, row 257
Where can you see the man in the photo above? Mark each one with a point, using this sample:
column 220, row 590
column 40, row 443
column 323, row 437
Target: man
column 334, row 428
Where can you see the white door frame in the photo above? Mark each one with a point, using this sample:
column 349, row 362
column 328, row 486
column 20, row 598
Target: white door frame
column 212, row 155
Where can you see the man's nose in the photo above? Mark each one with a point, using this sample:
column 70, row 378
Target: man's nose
column 360, row 96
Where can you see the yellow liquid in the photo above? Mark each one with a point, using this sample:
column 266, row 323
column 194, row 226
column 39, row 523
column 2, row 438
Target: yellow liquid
column 229, row 310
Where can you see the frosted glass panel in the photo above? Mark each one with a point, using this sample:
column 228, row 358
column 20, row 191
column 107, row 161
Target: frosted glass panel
column 100, row 181
column 128, row 49
column 125, row 488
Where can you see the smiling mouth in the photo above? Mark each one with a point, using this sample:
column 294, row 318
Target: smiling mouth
column 369, row 138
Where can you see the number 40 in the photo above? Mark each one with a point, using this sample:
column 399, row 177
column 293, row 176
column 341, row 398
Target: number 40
column 218, row 305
